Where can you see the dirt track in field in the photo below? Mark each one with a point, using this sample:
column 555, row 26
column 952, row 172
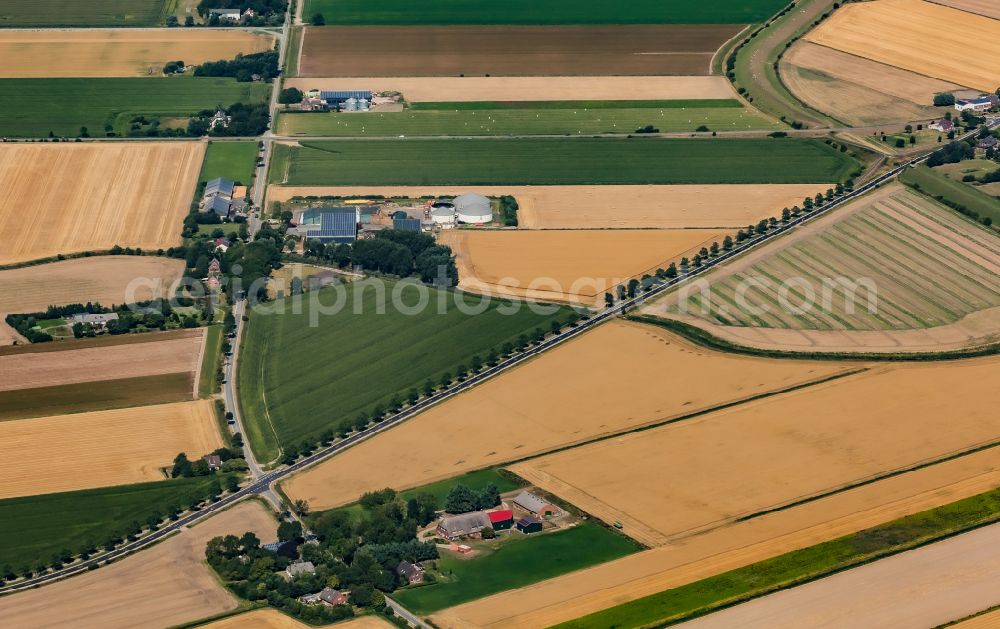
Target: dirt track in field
column 102, row 279
column 273, row 619
column 744, row 460
column 989, row 8
column 609, row 207
column 67, row 198
column 163, row 586
column 618, row 376
column 155, row 357
column 926, row 587
column 511, row 50
column 118, row 52
column 566, row 265
column 926, row 38
column 857, row 90
column 530, row 88
column 102, row 448
column 728, row 547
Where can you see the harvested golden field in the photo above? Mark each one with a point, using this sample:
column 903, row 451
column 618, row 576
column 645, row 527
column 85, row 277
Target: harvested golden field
column 600, row 374
column 178, row 352
column 857, row 90
column 898, row 33
column 748, row 460
column 163, row 586
column 989, row 620
column 577, row 266
column 699, row 556
column 118, row 52
column 102, row 448
column 601, row 207
column 529, row 88
column 103, row 279
column 273, row 619
column 66, row 198
column 989, row 8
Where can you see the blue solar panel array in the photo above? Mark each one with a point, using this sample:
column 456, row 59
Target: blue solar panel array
column 336, row 98
column 336, row 225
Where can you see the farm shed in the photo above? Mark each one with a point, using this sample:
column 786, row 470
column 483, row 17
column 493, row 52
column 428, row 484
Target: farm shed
column 334, row 224
column 218, row 204
column 463, row 525
column 473, row 208
column 501, row 520
column 220, row 186
column 406, row 224
column 535, row 505
column 338, row 98
column 529, row 524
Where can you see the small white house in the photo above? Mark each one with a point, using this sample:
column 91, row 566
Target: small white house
column 974, row 104
column 226, row 14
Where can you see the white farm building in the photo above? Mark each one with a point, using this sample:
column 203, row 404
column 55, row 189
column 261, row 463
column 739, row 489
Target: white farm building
column 473, row 208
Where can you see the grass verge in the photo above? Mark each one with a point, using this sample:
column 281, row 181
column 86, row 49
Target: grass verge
column 952, row 193
column 208, row 381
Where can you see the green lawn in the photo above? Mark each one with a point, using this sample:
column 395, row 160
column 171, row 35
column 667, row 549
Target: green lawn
column 51, row 13
column 517, row 562
column 548, row 12
column 34, row 107
column 208, row 381
column 797, row 567
column 935, row 184
column 562, row 161
column 232, row 160
column 522, row 121
column 36, row 527
column 309, row 378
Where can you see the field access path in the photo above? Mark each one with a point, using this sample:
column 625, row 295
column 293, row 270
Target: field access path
column 262, row 484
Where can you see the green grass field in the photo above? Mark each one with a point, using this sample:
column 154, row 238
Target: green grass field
column 232, row 160
column 784, row 571
column 208, row 381
column 51, row 13
column 36, row 527
column 519, row 561
column 34, row 107
column 305, row 379
column 920, row 281
column 463, row 121
column 94, row 396
column 549, row 12
column 933, row 183
column 560, row 161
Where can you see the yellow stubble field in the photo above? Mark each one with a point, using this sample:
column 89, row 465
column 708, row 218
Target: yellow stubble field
column 164, row 586
column 66, row 198
column 273, row 619
column 566, row 265
column 102, row 448
column 118, row 52
column 919, row 36
column 989, row 8
column 608, row 207
column 619, row 376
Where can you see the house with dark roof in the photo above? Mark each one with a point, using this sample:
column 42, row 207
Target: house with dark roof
column 220, row 185
column 332, row 597
column 412, row 573
column 501, row 520
column 98, row 321
column 943, row 125
column 464, row 525
column 218, row 204
column 296, row 568
column 284, row 549
column 984, row 144
column 214, row 461
column 328, row 225
column 535, row 505
column 529, row 524
column 406, row 224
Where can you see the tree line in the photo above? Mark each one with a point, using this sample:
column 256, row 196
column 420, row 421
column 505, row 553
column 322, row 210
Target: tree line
column 392, row 252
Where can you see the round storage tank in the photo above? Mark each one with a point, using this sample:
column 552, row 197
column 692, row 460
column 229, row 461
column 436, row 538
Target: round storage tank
column 363, row 104
column 443, row 216
column 473, row 208
column 351, row 104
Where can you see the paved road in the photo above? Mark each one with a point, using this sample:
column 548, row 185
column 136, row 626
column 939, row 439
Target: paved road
column 919, row 589
column 406, row 614
column 261, row 485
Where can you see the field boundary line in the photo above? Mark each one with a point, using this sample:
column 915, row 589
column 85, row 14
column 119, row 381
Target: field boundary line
column 200, row 363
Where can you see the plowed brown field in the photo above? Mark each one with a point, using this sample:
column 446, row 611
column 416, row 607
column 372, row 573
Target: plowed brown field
column 600, row 207
column 618, row 376
column 926, row 38
column 164, row 586
column 529, row 88
column 511, row 50
column 152, row 357
column 102, row 279
column 577, row 266
column 118, row 52
column 102, row 448
column 65, row 198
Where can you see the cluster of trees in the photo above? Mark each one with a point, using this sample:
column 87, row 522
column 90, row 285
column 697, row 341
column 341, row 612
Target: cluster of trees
column 244, row 119
column 358, row 553
column 400, row 253
column 944, row 99
column 462, row 499
column 266, row 12
column 174, row 67
column 508, row 210
column 232, row 461
column 290, row 96
column 243, row 67
column 951, row 153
